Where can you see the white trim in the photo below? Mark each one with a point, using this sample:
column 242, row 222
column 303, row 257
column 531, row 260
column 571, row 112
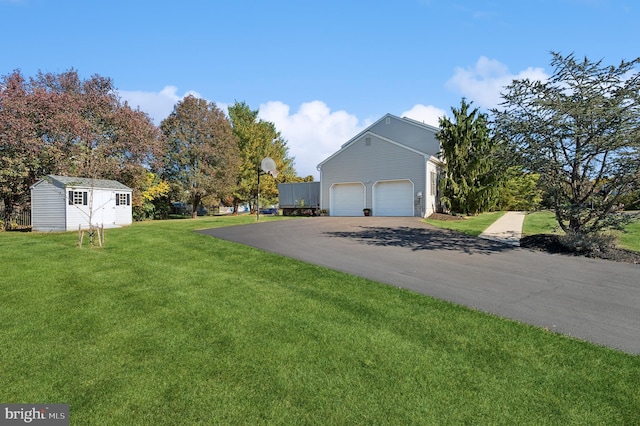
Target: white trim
column 418, row 123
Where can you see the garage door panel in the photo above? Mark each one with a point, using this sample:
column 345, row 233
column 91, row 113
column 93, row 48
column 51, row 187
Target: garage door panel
column 347, row 199
column 393, row 198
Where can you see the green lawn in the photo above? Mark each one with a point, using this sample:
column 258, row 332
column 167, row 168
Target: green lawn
column 544, row 222
column 630, row 238
column 164, row 326
column 470, row 225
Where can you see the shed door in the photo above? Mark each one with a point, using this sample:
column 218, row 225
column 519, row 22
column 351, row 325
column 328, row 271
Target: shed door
column 347, row 199
column 393, row 198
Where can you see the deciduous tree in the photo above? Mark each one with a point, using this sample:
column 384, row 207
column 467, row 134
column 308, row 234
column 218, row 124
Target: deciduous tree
column 519, row 190
column 89, row 132
column 20, row 149
column 258, row 139
column 202, row 154
column 61, row 124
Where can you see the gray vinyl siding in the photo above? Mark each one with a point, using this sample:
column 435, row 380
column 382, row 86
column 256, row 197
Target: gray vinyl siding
column 408, row 132
column 379, row 161
column 48, row 208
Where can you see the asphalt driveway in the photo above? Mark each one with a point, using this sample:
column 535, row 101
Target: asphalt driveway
column 589, row 299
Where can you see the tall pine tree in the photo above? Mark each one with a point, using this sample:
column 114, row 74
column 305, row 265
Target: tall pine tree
column 471, row 183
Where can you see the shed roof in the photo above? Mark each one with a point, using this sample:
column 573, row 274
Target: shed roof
column 82, row 182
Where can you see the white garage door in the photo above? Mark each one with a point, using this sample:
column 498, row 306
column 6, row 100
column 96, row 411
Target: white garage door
column 393, row 198
column 347, row 199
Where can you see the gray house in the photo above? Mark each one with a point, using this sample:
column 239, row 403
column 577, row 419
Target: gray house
column 63, row 203
column 391, row 167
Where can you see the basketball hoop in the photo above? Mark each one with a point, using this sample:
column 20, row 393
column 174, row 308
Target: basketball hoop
column 267, row 166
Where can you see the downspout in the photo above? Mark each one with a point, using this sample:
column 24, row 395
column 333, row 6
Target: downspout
column 426, row 193
column 318, row 168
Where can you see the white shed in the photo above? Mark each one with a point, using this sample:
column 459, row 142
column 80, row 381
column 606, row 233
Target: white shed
column 63, row 203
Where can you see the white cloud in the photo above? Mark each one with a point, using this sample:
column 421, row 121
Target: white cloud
column 157, row 105
column 484, row 82
column 427, row 114
column 313, row 133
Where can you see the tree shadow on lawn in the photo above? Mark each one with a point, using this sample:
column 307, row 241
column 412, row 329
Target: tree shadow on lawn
column 418, row 239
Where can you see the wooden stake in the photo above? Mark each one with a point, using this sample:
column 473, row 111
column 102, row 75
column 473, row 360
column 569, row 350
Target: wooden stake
column 99, row 237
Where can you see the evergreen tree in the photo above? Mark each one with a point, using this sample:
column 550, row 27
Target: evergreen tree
column 580, row 131
column 470, row 185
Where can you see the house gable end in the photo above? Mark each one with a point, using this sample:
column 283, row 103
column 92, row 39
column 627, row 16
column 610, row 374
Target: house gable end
column 369, row 134
column 409, row 132
column 405, row 132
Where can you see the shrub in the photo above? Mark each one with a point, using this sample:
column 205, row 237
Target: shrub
column 594, row 242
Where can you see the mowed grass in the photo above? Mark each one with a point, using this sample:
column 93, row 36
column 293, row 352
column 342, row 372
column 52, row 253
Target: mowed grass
column 630, row 238
column 167, row 326
column 544, row 222
column 470, row 225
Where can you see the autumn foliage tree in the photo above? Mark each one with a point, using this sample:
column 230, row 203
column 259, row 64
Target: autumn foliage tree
column 92, row 131
column 20, row 148
column 202, row 151
column 62, row 124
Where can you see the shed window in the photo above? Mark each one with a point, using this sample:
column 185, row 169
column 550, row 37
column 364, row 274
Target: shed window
column 78, row 198
column 123, row 199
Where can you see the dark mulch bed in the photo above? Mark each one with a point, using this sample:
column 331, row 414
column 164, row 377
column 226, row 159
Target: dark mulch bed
column 442, row 216
column 552, row 244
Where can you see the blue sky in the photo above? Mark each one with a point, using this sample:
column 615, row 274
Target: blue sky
column 320, row 70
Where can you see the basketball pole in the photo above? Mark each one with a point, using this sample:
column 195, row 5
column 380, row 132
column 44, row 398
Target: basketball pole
column 267, row 167
column 258, row 197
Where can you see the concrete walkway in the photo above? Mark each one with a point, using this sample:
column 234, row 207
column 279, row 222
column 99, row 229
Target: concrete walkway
column 507, row 229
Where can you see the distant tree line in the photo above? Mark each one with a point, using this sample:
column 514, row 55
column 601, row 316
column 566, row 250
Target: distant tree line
column 65, row 125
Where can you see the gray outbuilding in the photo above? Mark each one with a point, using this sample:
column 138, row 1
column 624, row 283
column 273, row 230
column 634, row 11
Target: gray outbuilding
column 63, row 203
column 391, row 167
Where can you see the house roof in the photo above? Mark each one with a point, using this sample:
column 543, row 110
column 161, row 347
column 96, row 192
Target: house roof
column 399, row 144
column 384, row 117
column 82, row 182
